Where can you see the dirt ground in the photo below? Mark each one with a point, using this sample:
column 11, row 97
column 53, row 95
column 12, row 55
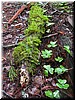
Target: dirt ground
column 61, row 31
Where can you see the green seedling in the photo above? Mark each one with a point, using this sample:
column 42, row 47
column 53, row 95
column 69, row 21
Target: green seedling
column 12, row 73
column 67, row 48
column 60, row 70
column 62, row 84
column 46, row 53
column 59, row 59
column 48, row 69
column 51, row 94
column 46, row 72
column 52, row 44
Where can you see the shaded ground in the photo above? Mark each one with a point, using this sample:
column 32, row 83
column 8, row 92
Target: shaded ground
column 61, row 31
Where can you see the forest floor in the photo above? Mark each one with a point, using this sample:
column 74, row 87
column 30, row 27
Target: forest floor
column 61, row 31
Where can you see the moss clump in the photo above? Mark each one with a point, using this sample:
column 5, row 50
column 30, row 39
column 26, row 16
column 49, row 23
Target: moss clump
column 37, row 21
column 27, row 50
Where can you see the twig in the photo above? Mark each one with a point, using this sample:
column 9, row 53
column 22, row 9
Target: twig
column 45, row 4
column 50, row 35
column 16, row 14
column 66, row 93
column 8, row 46
column 48, row 87
column 7, row 94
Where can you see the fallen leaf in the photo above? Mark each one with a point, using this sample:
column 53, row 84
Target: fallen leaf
column 61, row 32
column 34, row 91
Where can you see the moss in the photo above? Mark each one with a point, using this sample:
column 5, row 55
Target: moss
column 27, row 50
column 37, row 21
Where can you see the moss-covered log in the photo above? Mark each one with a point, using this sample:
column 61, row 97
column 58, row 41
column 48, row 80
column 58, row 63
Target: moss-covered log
column 27, row 50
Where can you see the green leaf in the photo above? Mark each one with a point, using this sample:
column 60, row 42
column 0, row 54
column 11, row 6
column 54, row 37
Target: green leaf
column 51, row 70
column 59, row 59
column 46, row 53
column 46, row 72
column 58, row 70
column 47, row 67
column 63, row 68
column 59, row 85
column 49, row 45
column 52, row 44
column 65, row 86
column 67, row 48
column 56, row 94
column 49, row 93
column 62, row 81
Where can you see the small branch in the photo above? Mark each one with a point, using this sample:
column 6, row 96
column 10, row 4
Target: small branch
column 48, row 87
column 16, row 14
column 45, row 4
column 8, row 46
column 7, row 94
column 50, row 35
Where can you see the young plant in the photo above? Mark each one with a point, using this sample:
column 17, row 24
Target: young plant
column 12, row 73
column 62, row 84
column 59, row 59
column 51, row 94
column 60, row 70
column 48, row 69
column 52, row 44
column 46, row 53
column 67, row 48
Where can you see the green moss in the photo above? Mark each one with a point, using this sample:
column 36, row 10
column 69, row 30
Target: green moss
column 27, row 50
column 12, row 73
column 37, row 21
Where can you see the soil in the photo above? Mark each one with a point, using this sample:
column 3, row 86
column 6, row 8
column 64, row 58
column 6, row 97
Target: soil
column 61, row 31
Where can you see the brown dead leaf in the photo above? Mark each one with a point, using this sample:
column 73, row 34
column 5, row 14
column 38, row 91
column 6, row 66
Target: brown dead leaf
column 38, row 80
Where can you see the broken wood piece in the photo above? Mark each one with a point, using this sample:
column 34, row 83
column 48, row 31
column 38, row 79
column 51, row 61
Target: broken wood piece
column 16, row 14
